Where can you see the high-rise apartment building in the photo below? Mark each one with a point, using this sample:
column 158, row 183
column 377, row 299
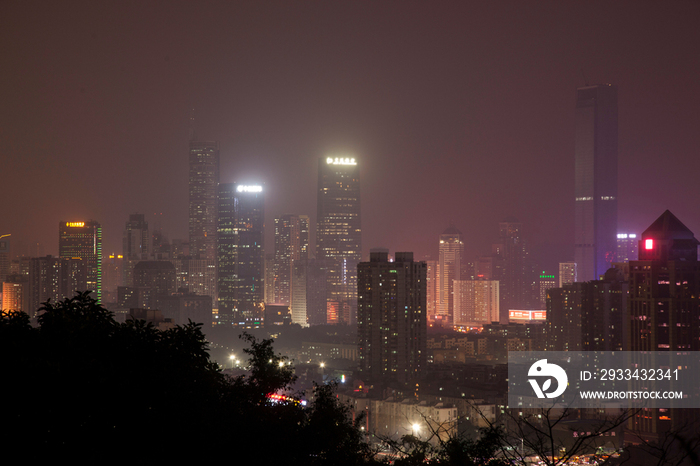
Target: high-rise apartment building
column 391, row 318
column 83, row 239
column 203, row 182
column 595, row 183
column 476, row 302
column 546, row 282
column 451, row 250
column 588, row 316
column 433, row 288
column 291, row 244
column 567, row 273
column 339, row 231
column 241, row 262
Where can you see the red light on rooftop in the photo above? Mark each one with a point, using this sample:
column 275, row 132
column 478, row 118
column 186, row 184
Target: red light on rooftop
column 648, row 244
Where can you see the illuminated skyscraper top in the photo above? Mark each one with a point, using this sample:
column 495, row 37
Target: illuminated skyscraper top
column 83, row 240
column 204, row 178
column 595, row 188
column 339, row 232
column 241, row 264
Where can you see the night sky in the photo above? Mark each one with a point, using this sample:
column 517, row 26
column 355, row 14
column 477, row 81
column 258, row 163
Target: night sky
column 457, row 111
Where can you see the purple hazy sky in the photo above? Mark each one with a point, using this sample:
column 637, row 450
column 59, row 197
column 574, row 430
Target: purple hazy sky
column 457, row 111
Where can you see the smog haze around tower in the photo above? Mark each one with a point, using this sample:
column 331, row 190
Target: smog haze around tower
column 458, row 112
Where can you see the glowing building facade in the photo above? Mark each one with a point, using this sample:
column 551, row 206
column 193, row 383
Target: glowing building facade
column 339, row 232
column 451, row 250
column 83, row 240
column 241, row 261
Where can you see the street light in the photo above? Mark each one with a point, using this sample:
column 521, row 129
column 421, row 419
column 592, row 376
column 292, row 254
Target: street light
column 232, row 358
column 416, row 428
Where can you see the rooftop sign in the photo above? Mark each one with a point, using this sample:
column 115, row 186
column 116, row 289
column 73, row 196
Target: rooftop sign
column 75, row 224
column 341, row 161
column 249, row 189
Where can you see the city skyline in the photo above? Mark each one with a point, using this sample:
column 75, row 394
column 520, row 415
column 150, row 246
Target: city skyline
column 471, row 122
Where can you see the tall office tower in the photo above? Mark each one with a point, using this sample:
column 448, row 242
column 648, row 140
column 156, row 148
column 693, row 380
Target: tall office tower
column 112, row 276
column 476, row 302
column 291, row 244
column 451, row 251
column 513, row 277
column 665, row 289
column 546, row 282
column 391, row 318
column 338, row 231
column 84, row 240
column 204, row 179
column 588, row 316
column 567, row 273
column 241, row 264
column 5, row 257
column 627, row 247
column 432, row 294
column 595, row 180
column 664, row 307
column 136, row 245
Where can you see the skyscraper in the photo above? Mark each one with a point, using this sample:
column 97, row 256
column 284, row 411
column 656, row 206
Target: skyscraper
column 665, row 289
column 451, row 250
column 81, row 239
column 664, row 308
column 391, row 317
column 567, row 273
column 595, row 180
column 476, row 302
column 512, row 258
column 339, row 232
column 204, row 179
column 627, row 247
column 136, row 242
column 291, row 244
column 241, row 262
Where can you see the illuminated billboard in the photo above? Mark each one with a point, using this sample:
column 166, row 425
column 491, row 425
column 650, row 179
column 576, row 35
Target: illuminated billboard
column 75, row 224
column 526, row 316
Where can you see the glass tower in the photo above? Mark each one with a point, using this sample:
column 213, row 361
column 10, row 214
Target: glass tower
column 339, row 232
column 241, row 261
column 595, row 180
column 83, row 240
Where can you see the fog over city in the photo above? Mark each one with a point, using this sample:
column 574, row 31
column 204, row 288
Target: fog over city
column 458, row 112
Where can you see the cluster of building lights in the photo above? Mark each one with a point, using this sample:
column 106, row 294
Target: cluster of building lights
column 75, row 224
column 625, row 236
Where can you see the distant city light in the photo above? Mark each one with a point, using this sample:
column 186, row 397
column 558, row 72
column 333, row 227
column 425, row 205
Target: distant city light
column 341, row 161
column 75, row 224
column 249, row 189
column 648, row 244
